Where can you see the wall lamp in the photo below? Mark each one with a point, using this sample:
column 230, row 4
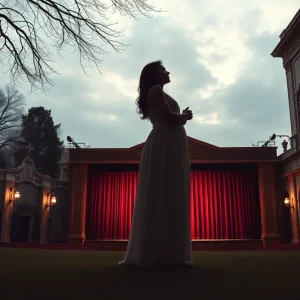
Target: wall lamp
column 288, row 202
column 51, row 200
column 14, row 195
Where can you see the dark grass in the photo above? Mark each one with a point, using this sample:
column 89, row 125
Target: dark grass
column 55, row 274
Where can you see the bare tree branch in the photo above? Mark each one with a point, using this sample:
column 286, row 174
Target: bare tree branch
column 29, row 27
column 11, row 110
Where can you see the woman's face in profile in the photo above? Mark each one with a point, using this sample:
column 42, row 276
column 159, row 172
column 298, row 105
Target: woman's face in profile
column 163, row 75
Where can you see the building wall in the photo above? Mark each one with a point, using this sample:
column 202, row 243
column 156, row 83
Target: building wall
column 290, row 165
column 1, row 205
column 57, row 216
column 31, row 194
column 292, row 104
column 58, row 225
column 1, row 194
column 293, row 81
column 296, row 67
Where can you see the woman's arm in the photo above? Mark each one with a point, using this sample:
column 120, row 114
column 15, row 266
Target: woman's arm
column 157, row 98
column 183, row 121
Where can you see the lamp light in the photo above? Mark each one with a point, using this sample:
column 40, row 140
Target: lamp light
column 288, row 202
column 52, row 201
column 14, row 195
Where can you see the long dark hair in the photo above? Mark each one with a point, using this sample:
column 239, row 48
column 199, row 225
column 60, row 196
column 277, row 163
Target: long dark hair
column 147, row 80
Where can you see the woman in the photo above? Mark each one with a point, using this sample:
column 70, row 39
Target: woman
column 160, row 233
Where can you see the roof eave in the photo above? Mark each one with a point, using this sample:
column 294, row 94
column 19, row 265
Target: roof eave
column 286, row 34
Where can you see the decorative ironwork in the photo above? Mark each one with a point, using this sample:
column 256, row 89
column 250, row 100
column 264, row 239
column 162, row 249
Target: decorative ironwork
column 261, row 143
column 59, row 184
column 269, row 143
column 27, row 172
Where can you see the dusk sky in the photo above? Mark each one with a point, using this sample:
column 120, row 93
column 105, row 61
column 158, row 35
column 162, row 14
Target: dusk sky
column 218, row 54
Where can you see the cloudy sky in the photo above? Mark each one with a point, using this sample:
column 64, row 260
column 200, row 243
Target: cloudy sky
column 218, row 54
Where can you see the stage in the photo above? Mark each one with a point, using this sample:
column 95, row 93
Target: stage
column 197, row 245
column 234, row 198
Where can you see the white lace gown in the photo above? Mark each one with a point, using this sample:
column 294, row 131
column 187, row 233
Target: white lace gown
column 160, row 231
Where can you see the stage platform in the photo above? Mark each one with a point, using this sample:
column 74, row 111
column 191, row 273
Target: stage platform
column 197, row 245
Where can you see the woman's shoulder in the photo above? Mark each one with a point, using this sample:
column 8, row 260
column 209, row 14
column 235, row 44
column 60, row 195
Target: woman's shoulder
column 156, row 89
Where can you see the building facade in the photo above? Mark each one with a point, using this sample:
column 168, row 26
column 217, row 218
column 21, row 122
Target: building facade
column 289, row 162
column 33, row 207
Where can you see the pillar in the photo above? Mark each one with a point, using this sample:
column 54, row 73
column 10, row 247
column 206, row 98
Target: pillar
column 7, row 210
column 268, row 198
column 78, row 175
column 292, row 187
column 45, row 212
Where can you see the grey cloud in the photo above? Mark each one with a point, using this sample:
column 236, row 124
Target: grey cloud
column 261, row 92
column 258, row 99
column 71, row 106
column 153, row 40
column 179, row 55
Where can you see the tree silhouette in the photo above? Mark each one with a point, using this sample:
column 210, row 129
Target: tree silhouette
column 29, row 27
column 39, row 131
column 11, row 110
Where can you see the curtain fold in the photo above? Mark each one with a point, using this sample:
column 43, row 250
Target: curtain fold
column 224, row 204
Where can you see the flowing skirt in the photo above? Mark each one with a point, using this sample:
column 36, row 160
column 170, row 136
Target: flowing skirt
column 160, row 232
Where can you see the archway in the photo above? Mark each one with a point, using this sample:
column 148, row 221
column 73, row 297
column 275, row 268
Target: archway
column 25, row 224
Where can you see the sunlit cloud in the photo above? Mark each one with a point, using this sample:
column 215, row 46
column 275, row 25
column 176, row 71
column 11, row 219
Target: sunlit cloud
column 211, row 119
column 98, row 117
column 209, row 90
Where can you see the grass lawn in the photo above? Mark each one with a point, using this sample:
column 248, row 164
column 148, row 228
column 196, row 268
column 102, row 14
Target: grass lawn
column 63, row 274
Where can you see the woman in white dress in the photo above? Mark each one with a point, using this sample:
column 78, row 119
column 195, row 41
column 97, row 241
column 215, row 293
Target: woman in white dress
column 160, row 233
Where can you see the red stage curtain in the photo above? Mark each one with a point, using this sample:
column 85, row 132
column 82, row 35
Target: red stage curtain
column 110, row 204
column 224, row 204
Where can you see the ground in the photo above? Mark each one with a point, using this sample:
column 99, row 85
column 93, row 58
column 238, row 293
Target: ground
column 70, row 274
